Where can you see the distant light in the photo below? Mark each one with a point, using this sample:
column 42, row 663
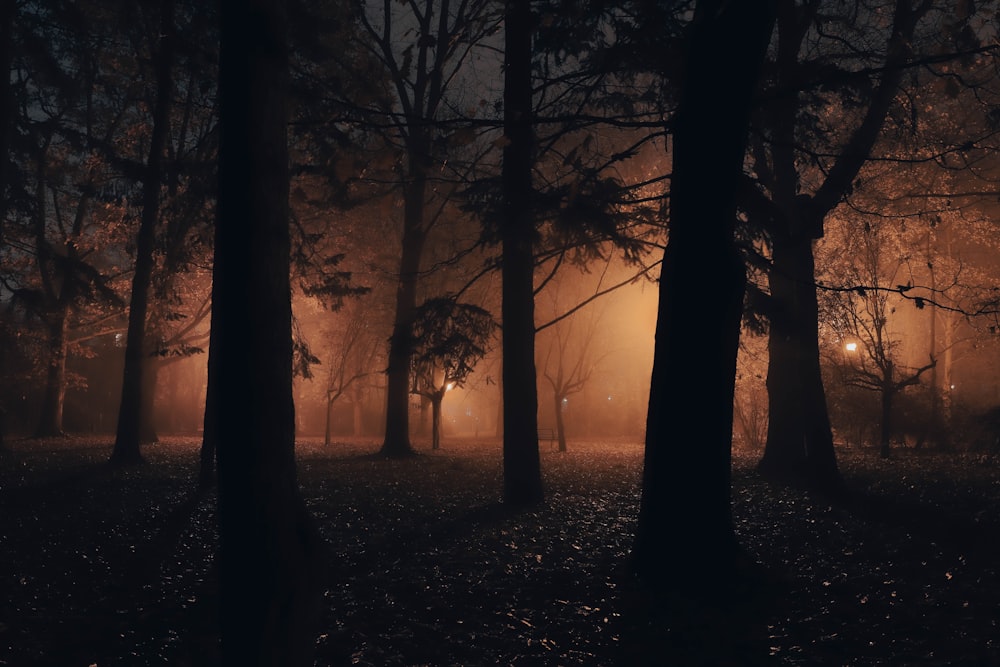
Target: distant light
column 449, row 386
column 952, row 386
column 609, row 397
column 565, row 400
column 851, row 347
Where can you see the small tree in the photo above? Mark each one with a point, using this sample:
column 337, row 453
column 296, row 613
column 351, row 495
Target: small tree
column 449, row 339
column 863, row 318
column 353, row 354
column 568, row 365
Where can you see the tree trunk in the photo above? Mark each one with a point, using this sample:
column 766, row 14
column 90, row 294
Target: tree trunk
column 522, row 466
column 685, row 539
column 269, row 547
column 436, row 421
column 128, row 435
column 397, row 414
column 54, row 394
column 560, row 422
column 799, row 439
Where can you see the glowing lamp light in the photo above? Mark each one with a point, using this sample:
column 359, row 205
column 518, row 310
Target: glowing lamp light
column 449, row 386
column 851, row 347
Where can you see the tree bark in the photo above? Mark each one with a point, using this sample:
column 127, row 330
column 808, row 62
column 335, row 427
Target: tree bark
column 522, row 466
column 799, row 440
column 269, row 549
column 397, row 413
column 128, row 435
column 685, row 539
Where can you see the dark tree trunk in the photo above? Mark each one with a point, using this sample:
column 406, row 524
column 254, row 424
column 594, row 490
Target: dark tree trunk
column 269, row 547
column 685, row 538
column 397, row 412
column 128, row 434
column 521, row 464
column 54, row 394
column 436, row 421
column 799, row 438
column 560, row 423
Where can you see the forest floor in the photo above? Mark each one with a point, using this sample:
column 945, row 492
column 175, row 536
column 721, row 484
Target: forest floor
column 114, row 568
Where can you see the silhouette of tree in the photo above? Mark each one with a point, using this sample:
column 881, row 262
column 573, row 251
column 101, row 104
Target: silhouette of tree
column 522, row 466
column 450, row 339
column 128, row 434
column 684, row 538
column 568, row 361
column 825, row 109
column 269, row 548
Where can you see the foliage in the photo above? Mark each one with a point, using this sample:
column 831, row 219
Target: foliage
column 450, row 339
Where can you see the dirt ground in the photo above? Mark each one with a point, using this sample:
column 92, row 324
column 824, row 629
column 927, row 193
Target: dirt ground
column 115, row 568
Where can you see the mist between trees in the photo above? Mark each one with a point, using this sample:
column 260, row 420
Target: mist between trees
column 771, row 220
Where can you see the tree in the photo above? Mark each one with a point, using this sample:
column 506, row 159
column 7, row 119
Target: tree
column 128, row 434
column 63, row 228
column 568, row 364
column 864, row 317
column 421, row 72
column 521, row 461
column 353, row 352
column 269, row 546
column 684, row 538
column 451, row 338
column 825, row 109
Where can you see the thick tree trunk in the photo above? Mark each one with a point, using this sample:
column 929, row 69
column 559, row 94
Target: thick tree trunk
column 799, row 439
column 128, row 435
column 269, row 548
column 685, row 538
column 54, row 394
column 522, row 466
column 397, row 413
